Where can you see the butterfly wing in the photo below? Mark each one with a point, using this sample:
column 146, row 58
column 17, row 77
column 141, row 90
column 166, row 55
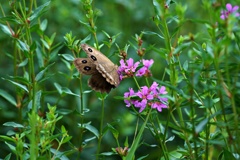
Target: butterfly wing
column 85, row 66
column 98, row 83
column 104, row 65
column 109, row 72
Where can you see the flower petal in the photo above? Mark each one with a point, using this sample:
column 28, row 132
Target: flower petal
column 235, row 8
column 229, row 7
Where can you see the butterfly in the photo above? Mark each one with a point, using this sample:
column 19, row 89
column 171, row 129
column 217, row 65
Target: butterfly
column 103, row 70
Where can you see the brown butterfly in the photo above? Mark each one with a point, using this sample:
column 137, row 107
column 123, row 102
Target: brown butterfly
column 104, row 71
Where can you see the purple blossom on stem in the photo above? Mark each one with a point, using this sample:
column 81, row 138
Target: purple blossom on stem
column 230, row 10
column 149, row 96
column 128, row 95
column 128, row 68
column 144, row 71
column 144, row 95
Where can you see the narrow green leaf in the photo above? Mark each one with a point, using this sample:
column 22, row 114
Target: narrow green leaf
column 142, row 157
column 113, row 130
column 86, row 39
column 39, row 11
column 201, row 125
column 89, row 139
column 90, row 128
column 41, row 73
column 23, row 63
column 8, row 157
column 152, row 33
column 13, row 124
column 181, row 47
column 185, row 65
column 17, row 84
column 6, row 138
column 68, row 57
column 135, row 144
column 8, row 97
column 107, row 153
column 43, row 25
column 58, row 87
column 6, row 30
column 68, row 91
column 23, row 46
column 228, row 155
column 21, row 80
column 38, row 99
column 13, row 148
column 45, row 43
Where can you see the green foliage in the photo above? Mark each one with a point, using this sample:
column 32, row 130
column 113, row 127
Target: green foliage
column 48, row 111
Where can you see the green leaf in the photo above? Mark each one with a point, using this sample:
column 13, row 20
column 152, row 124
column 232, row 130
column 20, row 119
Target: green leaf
column 89, row 139
column 68, row 91
column 43, row 25
column 228, row 155
column 40, row 74
column 23, row 46
column 58, row 87
column 90, row 128
column 126, row 142
column 8, row 97
column 8, row 157
column 185, row 65
column 38, row 99
column 135, row 144
column 17, row 84
column 174, row 155
column 64, row 111
column 38, row 12
column 13, row 124
column 152, row 33
column 113, row 130
column 157, row 7
column 201, row 125
column 6, row 29
column 23, row 63
column 181, row 47
column 107, row 153
column 22, row 80
column 55, row 51
column 101, row 96
column 67, row 57
column 86, row 39
column 142, row 157
column 6, row 138
column 13, row 148
column 45, row 43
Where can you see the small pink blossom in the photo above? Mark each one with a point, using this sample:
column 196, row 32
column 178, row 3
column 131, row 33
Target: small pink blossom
column 144, row 71
column 127, row 95
column 230, row 10
column 128, row 68
column 147, row 96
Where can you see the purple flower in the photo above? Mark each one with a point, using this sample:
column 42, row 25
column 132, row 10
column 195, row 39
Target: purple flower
column 147, row 63
column 128, row 69
column 144, row 71
column 144, row 94
column 158, row 106
column 230, row 10
column 147, row 96
column 128, row 95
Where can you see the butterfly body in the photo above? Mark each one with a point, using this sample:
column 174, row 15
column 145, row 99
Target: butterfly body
column 103, row 70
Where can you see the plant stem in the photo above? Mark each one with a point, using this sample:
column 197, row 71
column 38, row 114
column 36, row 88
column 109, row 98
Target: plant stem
column 101, row 129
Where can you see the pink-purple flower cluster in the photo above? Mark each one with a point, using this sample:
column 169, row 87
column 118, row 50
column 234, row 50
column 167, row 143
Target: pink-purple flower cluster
column 230, row 10
column 129, row 68
column 147, row 96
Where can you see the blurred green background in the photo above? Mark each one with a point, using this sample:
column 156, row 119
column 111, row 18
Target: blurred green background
column 127, row 17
